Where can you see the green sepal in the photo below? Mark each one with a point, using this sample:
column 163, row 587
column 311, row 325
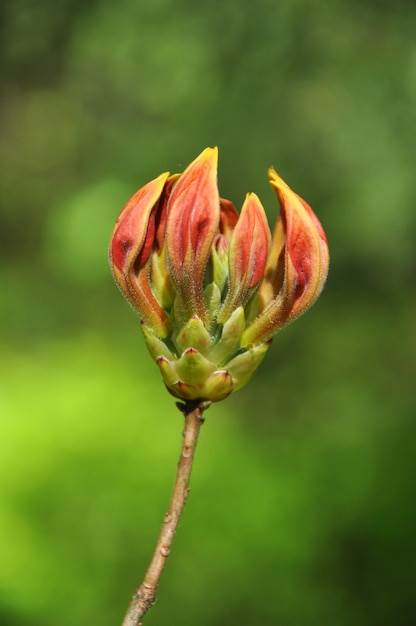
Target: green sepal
column 212, row 297
column 161, row 281
column 179, row 311
column 193, row 368
column 251, row 309
column 218, row 386
column 194, row 335
column 219, row 268
column 184, row 391
column 156, row 346
column 229, row 341
column 169, row 374
column 245, row 365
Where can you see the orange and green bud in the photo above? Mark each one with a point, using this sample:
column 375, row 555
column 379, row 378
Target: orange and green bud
column 211, row 286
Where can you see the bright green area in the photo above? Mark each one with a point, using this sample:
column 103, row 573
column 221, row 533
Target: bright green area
column 302, row 504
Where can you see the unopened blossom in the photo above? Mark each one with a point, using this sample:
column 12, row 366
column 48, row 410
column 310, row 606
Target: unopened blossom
column 212, row 286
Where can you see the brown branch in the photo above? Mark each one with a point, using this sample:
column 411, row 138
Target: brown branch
column 145, row 596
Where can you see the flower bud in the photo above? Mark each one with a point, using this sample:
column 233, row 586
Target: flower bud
column 212, row 287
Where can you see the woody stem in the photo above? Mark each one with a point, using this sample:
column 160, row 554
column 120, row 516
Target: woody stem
column 145, row 596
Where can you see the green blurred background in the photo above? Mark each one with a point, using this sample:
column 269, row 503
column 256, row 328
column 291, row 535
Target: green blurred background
column 302, row 505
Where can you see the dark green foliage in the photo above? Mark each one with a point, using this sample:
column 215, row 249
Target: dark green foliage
column 301, row 511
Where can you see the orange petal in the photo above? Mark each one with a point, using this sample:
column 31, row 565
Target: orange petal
column 296, row 271
column 228, row 217
column 306, row 249
column 249, row 249
column 193, row 219
column 131, row 245
column 131, row 229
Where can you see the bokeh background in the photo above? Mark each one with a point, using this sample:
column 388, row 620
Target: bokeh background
column 302, row 506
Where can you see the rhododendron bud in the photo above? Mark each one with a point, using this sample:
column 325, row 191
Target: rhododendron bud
column 211, row 286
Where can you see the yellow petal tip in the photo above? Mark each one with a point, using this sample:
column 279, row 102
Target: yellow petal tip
column 209, row 153
column 276, row 180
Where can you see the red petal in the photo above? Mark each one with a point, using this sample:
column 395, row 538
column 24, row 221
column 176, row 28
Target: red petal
column 162, row 212
column 300, row 269
column 228, row 217
column 193, row 218
column 249, row 249
column 132, row 235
